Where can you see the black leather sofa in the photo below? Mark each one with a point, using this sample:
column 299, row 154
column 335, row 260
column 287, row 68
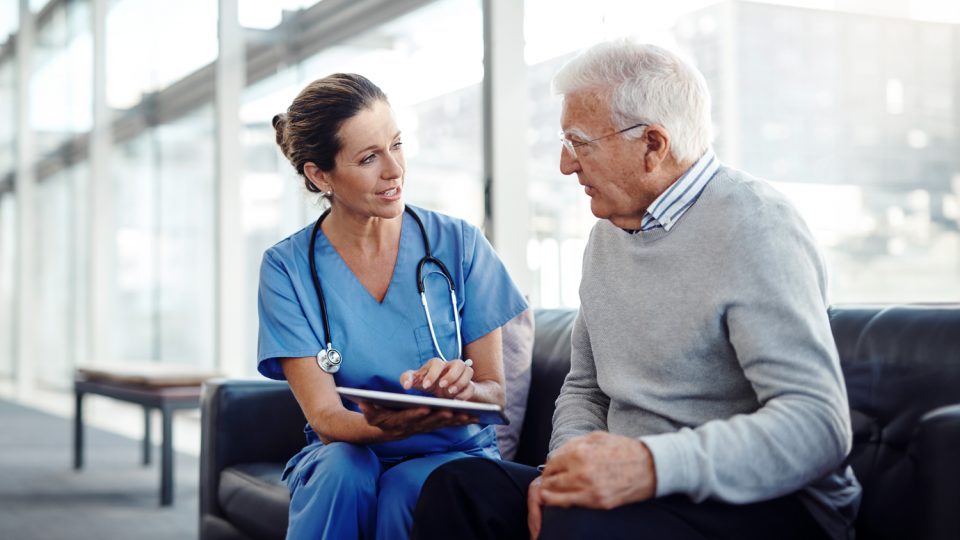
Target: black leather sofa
column 902, row 368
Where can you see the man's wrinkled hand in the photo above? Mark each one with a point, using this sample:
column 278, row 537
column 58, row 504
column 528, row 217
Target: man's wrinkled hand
column 600, row 471
column 534, row 508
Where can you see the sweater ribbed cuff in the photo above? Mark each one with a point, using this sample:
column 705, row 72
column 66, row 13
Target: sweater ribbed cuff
column 675, row 467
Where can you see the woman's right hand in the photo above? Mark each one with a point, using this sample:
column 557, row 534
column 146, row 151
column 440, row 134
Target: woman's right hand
column 451, row 380
column 402, row 423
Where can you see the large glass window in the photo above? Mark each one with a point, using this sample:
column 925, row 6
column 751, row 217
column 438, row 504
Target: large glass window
column 61, row 101
column 9, row 19
column 153, row 44
column 186, row 249
column 35, row 5
column 858, row 128
column 8, row 272
column 264, row 15
column 164, row 296
column 439, row 112
column 8, row 116
column 60, row 250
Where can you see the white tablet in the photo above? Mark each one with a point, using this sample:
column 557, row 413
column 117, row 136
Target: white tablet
column 488, row 413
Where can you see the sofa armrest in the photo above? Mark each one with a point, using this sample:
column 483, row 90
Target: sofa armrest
column 938, row 471
column 244, row 421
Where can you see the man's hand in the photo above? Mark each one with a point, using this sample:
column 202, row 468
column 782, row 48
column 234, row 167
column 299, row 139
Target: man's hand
column 600, row 471
column 534, row 508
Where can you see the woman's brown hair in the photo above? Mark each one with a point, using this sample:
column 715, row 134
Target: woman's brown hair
column 310, row 129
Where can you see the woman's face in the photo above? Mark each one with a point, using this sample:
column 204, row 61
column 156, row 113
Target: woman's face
column 367, row 180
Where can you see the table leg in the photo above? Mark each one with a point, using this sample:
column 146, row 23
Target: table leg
column 78, row 431
column 147, row 429
column 166, row 458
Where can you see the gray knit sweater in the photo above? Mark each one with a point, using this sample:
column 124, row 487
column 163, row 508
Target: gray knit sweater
column 711, row 344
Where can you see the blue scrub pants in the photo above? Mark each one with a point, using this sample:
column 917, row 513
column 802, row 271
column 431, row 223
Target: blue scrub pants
column 343, row 490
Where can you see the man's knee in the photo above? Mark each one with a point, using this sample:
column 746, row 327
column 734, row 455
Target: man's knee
column 453, row 479
column 473, row 498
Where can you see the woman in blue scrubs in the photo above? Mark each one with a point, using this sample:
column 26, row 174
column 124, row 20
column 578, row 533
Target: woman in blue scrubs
column 361, row 471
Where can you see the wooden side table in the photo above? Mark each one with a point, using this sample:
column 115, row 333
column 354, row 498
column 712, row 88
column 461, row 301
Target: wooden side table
column 152, row 386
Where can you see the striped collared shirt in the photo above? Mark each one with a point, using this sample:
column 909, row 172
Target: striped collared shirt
column 680, row 196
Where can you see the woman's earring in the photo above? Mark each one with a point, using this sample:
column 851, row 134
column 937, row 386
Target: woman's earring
column 325, row 196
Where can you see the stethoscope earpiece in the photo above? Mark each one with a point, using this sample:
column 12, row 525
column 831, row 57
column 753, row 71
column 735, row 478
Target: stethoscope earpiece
column 329, row 359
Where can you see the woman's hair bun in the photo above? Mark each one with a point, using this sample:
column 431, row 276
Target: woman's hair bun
column 279, row 125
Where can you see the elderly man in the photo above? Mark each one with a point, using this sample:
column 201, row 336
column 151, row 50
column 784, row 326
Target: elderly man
column 705, row 397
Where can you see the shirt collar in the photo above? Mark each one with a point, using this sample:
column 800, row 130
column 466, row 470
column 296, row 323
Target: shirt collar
column 666, row 209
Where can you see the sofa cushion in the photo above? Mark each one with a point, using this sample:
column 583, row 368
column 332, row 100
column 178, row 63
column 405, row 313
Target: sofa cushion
column 517, row 356
column 254, row 499
column 551, row 361
column 216, row 528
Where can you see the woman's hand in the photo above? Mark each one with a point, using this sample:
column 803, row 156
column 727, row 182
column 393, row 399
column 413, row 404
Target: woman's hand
column 453, row 379
column 402, row 423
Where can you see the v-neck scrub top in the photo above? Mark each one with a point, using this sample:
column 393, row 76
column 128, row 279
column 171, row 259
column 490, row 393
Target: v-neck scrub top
column 381, row 340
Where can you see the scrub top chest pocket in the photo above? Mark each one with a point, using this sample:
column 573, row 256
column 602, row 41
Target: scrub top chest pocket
column 446, row 338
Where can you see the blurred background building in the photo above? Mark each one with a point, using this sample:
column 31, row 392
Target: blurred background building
column 140, row 182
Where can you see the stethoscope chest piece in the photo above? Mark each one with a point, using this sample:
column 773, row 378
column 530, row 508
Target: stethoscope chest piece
column 329, row 360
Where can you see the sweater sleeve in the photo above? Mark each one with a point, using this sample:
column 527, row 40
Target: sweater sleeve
column 780, row 332
column 581, row 406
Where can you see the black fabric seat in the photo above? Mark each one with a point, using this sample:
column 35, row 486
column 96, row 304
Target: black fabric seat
column 902, row 369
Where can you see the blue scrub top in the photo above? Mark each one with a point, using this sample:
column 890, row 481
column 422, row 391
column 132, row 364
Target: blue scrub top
column 379, row 341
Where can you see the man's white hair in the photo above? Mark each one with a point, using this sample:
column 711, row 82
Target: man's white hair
column 648, row 84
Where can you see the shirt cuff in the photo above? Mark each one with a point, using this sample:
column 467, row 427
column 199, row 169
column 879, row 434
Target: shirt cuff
column 675, row 467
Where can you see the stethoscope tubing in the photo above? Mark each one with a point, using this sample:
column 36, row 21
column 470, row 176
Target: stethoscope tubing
column 329, row 359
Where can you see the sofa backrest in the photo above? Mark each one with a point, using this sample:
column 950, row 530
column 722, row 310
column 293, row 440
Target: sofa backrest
column 245, row 421
column 551, row 362
column 901, row 364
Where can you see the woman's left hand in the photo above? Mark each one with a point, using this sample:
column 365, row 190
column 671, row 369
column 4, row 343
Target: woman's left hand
column 402, row 423
column 453, row 379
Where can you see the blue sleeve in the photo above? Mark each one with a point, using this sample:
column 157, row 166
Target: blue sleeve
column 285, row 331
column 490, row 297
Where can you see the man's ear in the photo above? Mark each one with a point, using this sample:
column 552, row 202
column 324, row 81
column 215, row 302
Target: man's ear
column 658, row 147
column 316, row 177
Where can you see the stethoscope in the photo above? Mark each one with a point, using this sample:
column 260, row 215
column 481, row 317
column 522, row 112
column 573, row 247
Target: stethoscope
column 329, row 359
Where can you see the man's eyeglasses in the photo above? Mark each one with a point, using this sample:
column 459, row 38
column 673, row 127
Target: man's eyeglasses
column 572, row 145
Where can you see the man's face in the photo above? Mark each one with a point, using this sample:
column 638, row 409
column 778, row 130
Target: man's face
column 612, row 169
